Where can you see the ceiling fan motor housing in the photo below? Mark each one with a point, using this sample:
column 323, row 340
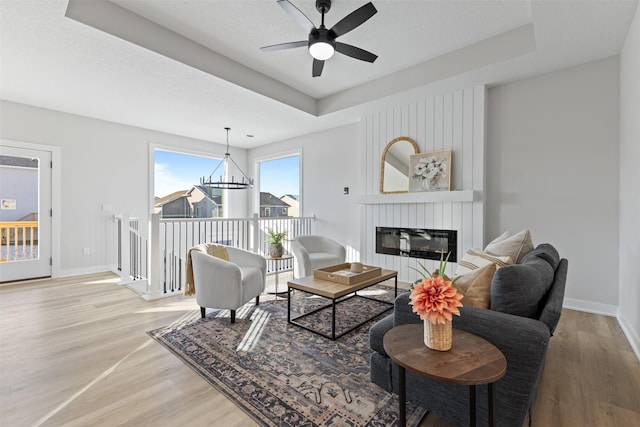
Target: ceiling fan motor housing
column 323, row 6
column 322, row 35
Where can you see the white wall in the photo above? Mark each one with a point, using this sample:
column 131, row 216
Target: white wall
column 101, row 163
column 454, row 121
column 330, row 162
column 552, row 167
column 629, row 313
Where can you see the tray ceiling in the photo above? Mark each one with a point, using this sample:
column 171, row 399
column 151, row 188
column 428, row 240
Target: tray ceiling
column 192, row 67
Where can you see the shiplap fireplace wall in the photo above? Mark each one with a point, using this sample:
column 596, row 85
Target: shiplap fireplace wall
column 453, row 121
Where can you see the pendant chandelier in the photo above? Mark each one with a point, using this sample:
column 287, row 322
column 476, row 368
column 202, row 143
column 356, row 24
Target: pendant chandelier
column 223, row 182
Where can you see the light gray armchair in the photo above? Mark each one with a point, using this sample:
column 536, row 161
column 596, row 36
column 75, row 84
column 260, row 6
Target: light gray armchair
column 227, row 284
column 312, row 252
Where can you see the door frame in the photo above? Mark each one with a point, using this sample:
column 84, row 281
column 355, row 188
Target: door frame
column 55, row 195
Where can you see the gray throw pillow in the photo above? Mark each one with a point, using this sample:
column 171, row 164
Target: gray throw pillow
column 546, row 252
column 519, row 288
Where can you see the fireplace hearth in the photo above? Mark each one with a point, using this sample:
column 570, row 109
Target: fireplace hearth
column 417, row 242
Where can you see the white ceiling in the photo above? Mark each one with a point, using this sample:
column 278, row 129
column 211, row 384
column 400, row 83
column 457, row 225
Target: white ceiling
column 192, row 67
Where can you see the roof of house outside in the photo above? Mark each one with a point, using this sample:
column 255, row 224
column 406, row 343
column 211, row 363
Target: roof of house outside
column 292, row 196
column 268, row 199
column 209, row 193
column 159, row 201
column 214, row 194
column 23, row 162
column 33, row 216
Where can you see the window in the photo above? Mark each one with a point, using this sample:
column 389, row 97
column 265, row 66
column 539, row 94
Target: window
column 178, row 193
column 280, row 187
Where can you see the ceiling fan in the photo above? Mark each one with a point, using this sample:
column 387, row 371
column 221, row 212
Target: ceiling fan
column 322, row 41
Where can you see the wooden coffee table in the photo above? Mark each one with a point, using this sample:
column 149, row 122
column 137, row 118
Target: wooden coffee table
column 471, row 361
column 335, row 292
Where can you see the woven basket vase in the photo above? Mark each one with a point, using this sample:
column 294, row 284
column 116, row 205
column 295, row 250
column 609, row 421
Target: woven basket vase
column 437, row 337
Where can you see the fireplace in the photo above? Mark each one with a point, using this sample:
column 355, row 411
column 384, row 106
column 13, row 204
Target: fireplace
column 417, row 242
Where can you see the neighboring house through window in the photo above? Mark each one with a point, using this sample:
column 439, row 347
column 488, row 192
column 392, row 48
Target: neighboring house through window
column 272, row 206
column 198, row 202
column 176, row 183
column 280, row 186
column 294, row 206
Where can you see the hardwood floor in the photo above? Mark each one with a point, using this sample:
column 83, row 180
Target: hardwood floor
column 75, row 352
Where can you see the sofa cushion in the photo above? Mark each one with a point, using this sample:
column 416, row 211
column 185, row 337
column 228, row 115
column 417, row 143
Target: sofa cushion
column 476, row 286
column 516, row 246
column 553, row 305
column 377, row 331
column 546, row 252
column 476, row 258
column 500, row 238
column 519, row 289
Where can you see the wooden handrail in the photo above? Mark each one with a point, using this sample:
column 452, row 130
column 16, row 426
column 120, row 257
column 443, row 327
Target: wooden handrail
column 6, row 224
column 19, row 235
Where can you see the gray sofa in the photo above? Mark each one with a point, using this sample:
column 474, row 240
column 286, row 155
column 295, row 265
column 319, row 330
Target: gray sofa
column 526, row 301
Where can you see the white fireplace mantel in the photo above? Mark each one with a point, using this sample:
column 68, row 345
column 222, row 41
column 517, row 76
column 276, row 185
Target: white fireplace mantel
column 421, row 197
column 453, row 120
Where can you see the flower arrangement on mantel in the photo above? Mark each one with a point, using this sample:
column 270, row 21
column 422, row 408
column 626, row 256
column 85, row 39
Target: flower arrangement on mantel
column 435, row 300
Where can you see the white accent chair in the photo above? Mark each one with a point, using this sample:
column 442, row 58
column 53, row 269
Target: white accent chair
column 228, row 284
column 312, row 252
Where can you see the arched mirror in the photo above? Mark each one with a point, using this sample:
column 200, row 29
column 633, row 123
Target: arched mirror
column 394, row 167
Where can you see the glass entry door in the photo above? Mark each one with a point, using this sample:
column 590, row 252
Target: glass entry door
column 25, row 213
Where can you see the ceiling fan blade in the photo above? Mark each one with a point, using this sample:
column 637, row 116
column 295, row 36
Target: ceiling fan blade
column 355, row 52
column 282, row 46
column 300, row 18
column 317, row 68
column 354, row 19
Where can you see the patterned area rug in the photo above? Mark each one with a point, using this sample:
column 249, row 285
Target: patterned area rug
column 284, row 375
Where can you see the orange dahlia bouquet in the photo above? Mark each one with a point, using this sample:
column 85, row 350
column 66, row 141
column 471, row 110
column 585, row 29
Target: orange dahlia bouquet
column 434, row 298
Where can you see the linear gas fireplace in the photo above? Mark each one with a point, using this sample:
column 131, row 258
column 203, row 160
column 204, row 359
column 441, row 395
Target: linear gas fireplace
column 417, row 242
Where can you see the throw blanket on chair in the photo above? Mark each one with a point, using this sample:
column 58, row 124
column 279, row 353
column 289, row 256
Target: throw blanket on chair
column 212, row 249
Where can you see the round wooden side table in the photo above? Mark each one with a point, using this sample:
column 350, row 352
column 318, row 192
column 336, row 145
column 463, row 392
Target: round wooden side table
column 471, row 361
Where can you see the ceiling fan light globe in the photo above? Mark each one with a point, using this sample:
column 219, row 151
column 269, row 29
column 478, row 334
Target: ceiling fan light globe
column 321, row 50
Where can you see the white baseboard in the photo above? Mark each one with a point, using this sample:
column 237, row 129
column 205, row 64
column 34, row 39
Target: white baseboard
column 160, row 295
column 591, row 307
column 607, row 310
column 86, row 270
column 631, row 334
column 140, row 288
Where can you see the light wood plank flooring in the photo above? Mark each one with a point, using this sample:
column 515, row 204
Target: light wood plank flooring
column 74, row 352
